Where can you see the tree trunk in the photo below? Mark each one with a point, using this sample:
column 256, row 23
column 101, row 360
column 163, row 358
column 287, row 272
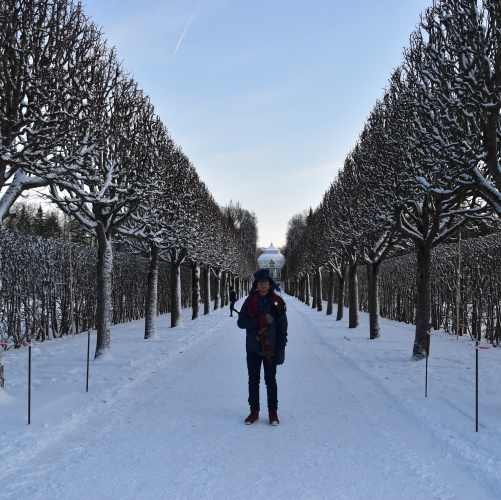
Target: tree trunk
column 320, row 302
column 195, row 290
column 207, row 289
column 222, row 296
column 373, row 299
column 43, row 319
column 175, row 288
column 217, row 274
column 2, row 339
column 2, row 376
column 423, row 306
column 330, row 297
column 307, row 289
column 150, row 324
column 314, row 292
column 104, row 272
column 226, row 284
column 353, row 284
column 340, row 303
column 474, row 318
column 55, row 325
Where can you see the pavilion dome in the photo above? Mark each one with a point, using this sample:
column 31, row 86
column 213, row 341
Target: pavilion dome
column 271, row 254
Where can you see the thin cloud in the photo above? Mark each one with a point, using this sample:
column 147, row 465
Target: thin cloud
column 236, row 155
column 306, row 173
column 186, row 29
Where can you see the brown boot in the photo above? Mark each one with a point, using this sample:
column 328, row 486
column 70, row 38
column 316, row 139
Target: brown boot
column 273, row 417
column 254, row 415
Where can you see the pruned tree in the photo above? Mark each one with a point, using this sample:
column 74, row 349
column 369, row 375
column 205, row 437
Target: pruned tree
column 44, row 47
column 435, row 206
column 102, row 175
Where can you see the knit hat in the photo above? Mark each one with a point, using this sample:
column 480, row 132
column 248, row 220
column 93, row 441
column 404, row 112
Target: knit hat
column 264, row 274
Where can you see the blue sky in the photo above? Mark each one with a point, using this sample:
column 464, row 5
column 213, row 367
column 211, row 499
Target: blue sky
column 265, row 97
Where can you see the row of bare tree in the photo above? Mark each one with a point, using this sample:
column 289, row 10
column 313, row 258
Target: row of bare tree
column 74, row 121
column 426, row 164
column 476, row 309
column 38, row 290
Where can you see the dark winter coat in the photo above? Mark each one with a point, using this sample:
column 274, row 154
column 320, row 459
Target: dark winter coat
column 277, row 331
column 233, row 296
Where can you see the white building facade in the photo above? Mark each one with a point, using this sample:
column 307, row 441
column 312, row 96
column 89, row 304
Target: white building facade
column 272, row 260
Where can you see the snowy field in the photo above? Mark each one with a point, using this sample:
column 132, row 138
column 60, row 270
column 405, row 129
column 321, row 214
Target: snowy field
column 164, row 419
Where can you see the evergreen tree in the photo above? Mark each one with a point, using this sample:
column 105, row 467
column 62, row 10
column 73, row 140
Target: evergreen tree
column 38, row 227
column 52, row 226
column 24, row 219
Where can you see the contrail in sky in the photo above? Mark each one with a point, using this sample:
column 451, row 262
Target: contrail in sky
column 185, row 29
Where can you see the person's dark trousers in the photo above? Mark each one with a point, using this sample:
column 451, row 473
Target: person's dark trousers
column 254, row 361
column 232, row 304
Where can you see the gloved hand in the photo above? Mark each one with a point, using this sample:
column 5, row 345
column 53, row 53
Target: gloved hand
column 280, row 357
column 269, row 319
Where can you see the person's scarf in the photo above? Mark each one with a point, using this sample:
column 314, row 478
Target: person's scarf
column 262, row 335
column 262, row 332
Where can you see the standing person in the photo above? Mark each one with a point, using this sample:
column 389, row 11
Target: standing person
column 263, row 316
column 233, row 299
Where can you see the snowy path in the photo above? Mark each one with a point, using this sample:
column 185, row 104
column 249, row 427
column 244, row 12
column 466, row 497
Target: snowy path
column 164, row 420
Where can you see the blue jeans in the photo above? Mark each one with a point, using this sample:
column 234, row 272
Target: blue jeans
column 254, row 361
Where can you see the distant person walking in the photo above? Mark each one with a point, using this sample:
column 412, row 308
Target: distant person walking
column 263, row 316
column 233, row 299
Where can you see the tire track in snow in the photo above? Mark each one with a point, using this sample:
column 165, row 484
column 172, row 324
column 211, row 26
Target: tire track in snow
column 179, row 433
column 363, row 394
column 141, row 371
column 467, row 455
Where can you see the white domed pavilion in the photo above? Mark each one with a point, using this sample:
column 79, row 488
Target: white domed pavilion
column 273, row 260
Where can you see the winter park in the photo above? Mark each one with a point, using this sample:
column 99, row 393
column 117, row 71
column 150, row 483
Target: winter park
column 250, row 250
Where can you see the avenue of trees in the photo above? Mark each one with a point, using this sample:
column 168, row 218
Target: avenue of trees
column 425, row 168
column 72, row 120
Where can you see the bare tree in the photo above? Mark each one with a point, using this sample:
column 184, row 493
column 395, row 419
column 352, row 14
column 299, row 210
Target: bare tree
column 244, row 223
column 102, row 174
column 44, row 45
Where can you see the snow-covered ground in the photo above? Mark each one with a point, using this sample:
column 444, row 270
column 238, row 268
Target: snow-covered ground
column 164, row 418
